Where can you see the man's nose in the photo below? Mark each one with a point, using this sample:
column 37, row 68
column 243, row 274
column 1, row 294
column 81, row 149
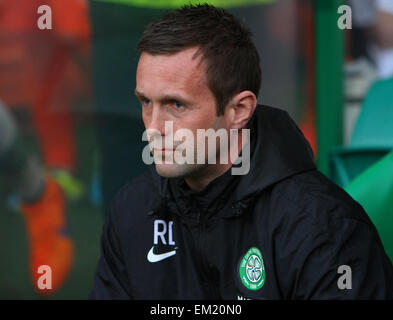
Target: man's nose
column 156, row 120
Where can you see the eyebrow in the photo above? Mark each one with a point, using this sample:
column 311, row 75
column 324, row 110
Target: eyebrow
column 138, row 94
column 165, row 97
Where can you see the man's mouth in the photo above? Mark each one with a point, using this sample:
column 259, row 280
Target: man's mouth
column 163, row 150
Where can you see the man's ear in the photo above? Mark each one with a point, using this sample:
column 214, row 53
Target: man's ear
column 241, row 108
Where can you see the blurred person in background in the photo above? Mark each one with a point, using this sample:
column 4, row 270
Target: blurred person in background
column 369, row 54
column 383, row 32
column 42, row 204
column 42, row 73
column 372, row 35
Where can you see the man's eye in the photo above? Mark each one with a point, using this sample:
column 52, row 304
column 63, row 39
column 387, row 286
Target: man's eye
column 146, row 101
column 178, row 105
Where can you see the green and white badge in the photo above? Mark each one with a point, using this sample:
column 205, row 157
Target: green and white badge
column 252, row 270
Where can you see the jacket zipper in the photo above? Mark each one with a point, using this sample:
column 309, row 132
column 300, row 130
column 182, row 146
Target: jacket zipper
column 212, row 287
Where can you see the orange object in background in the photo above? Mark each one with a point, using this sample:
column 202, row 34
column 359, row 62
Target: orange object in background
column 65, row 79
column 45, row 70
column 71, row 18
column 49, row 241
column 16, row 71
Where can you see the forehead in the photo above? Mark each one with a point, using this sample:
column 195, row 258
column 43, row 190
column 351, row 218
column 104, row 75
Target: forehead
column 182, row 70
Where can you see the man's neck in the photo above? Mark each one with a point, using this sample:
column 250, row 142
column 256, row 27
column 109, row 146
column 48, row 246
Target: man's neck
column 198, row 183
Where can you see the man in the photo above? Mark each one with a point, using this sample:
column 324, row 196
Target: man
column 197, row 231
column 116, row 29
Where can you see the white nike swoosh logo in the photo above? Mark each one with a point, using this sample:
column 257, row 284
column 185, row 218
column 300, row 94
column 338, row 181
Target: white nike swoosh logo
column 152, row 257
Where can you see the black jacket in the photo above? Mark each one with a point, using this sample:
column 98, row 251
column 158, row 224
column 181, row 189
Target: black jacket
column 283, row 231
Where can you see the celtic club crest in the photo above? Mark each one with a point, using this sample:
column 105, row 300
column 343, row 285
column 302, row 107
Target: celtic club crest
column 252, row 270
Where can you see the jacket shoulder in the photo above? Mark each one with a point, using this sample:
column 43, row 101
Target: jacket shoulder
column 319, row 228
column 323, row 202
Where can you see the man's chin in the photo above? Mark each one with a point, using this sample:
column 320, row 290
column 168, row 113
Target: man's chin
column 175, row 170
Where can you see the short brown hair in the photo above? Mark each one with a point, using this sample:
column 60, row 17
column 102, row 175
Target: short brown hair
column 232, row 60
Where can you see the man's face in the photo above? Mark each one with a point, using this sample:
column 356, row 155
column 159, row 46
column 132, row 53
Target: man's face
column 174, row 88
